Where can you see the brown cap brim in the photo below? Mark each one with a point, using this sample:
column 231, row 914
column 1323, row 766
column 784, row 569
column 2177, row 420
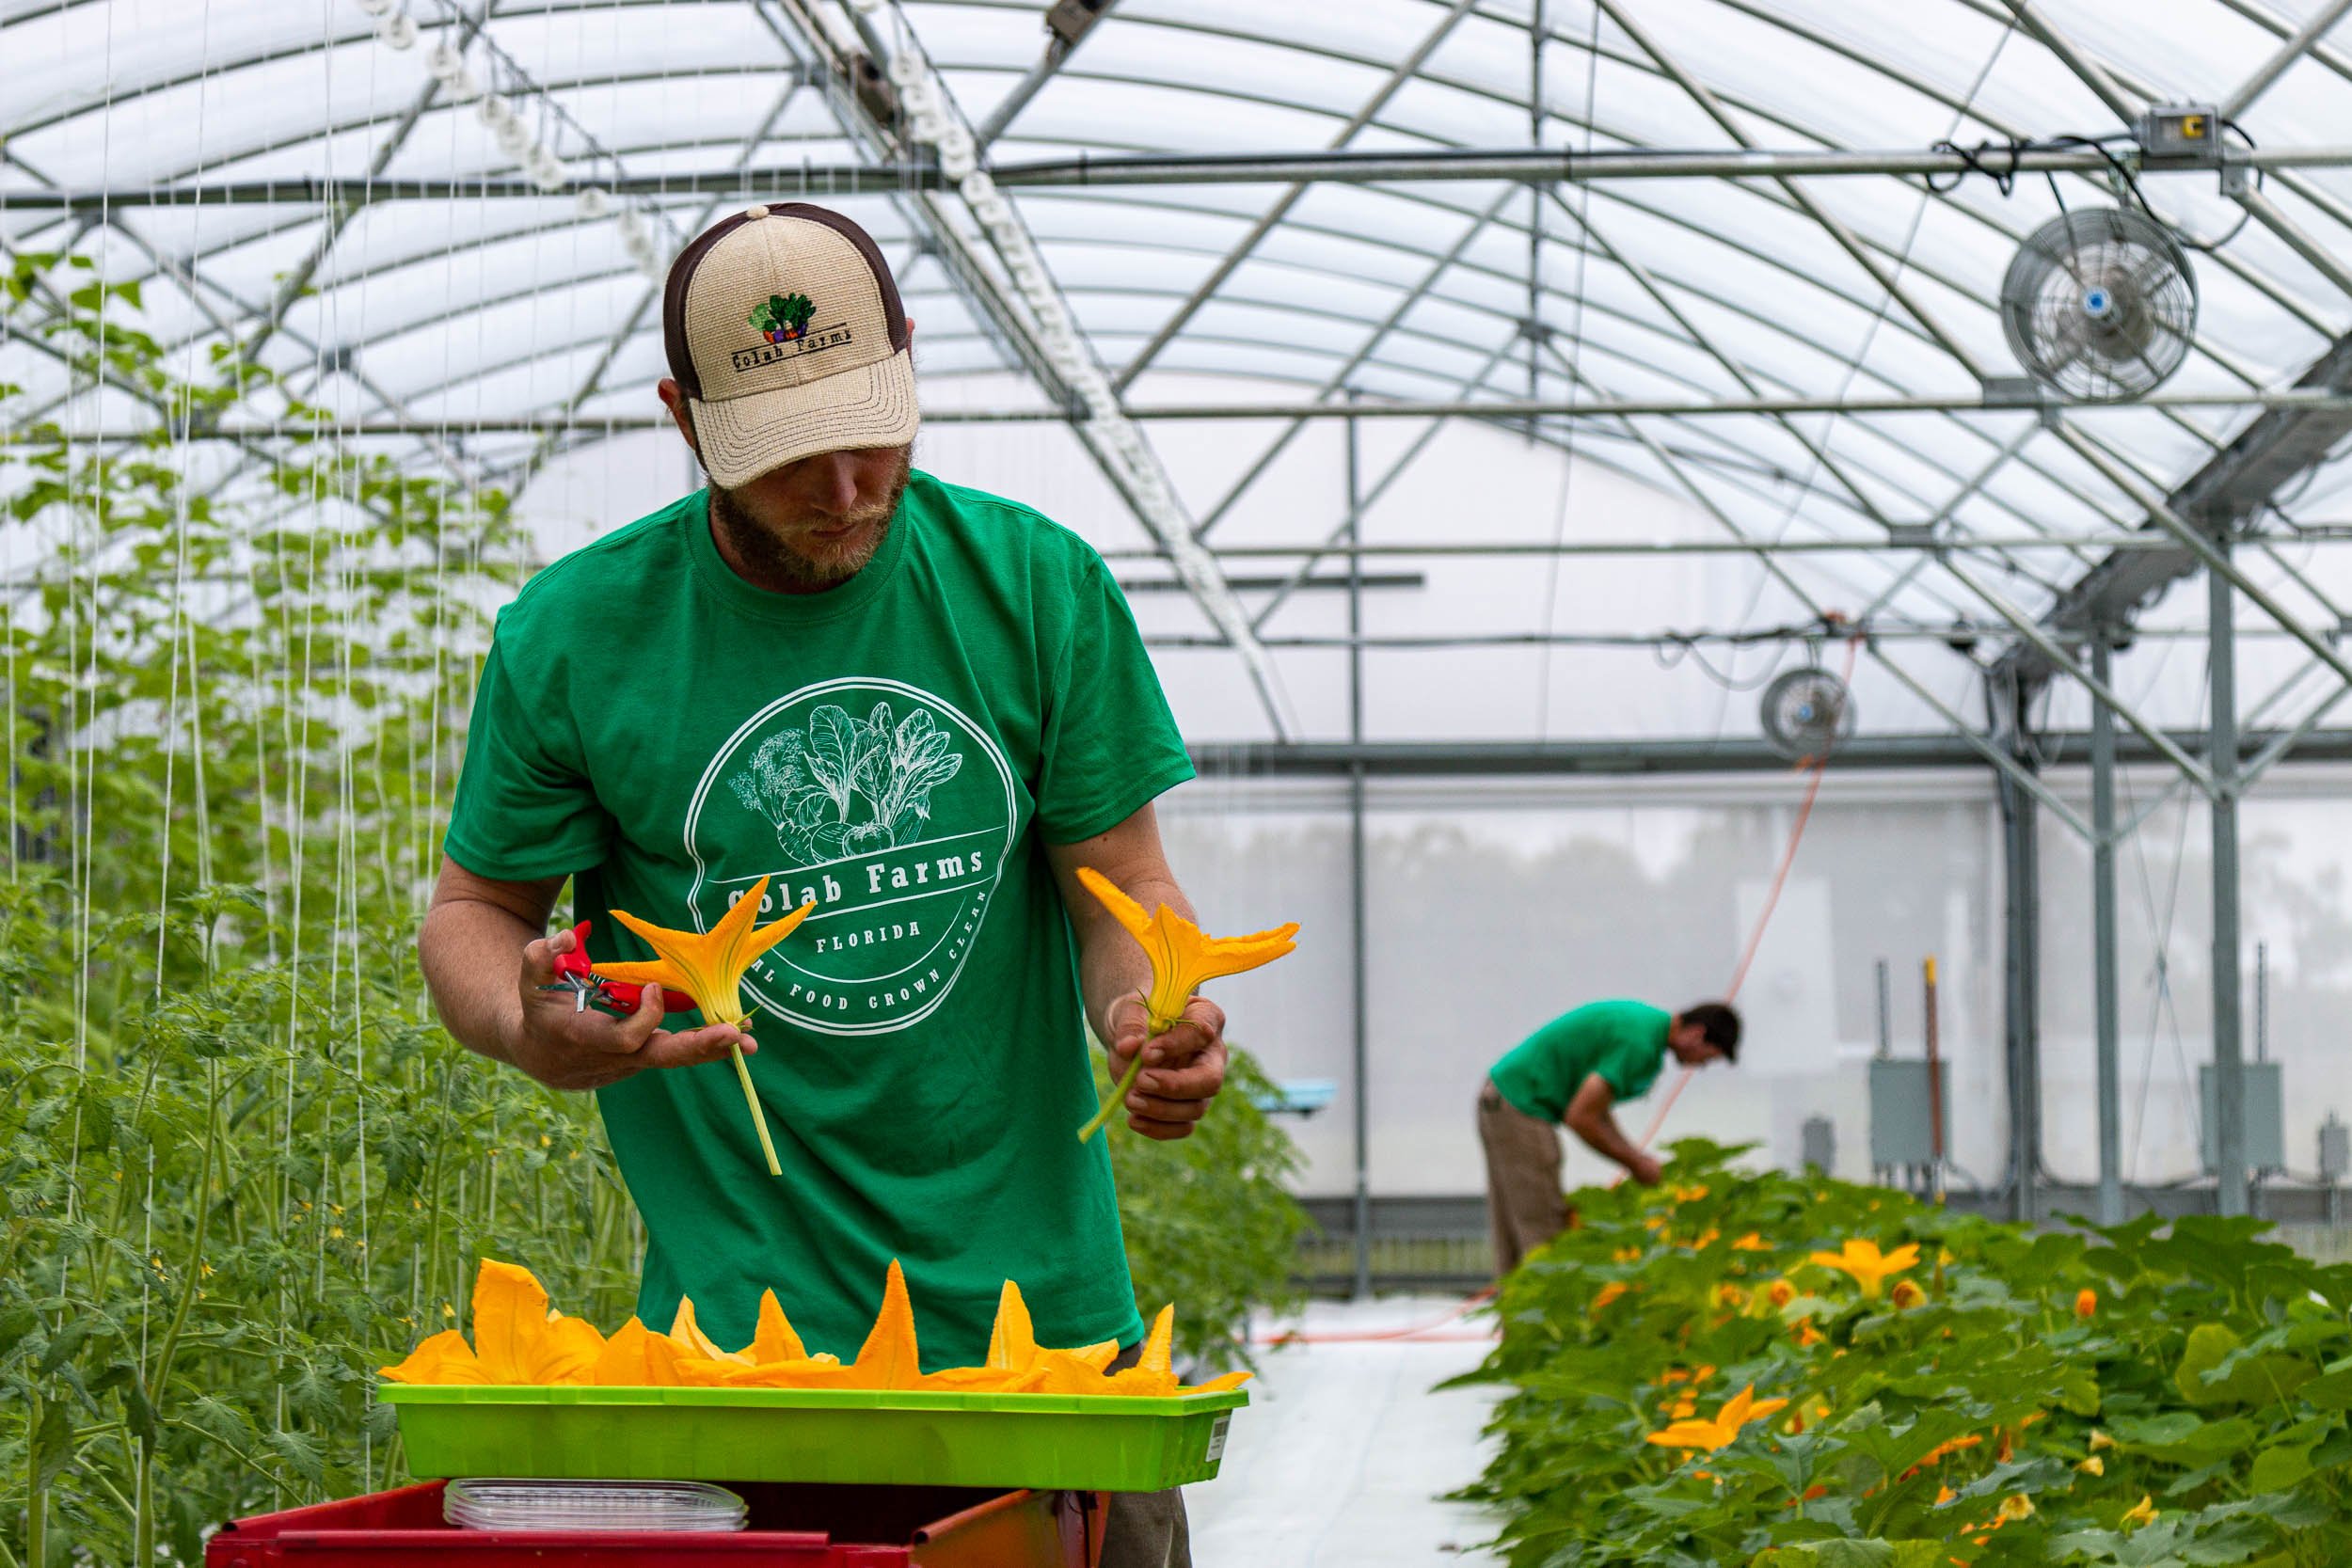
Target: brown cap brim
column 745, row 438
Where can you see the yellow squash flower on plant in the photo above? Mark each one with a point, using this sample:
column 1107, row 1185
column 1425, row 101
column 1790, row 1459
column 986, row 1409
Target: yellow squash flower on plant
column 1710, row 1435
column 1907, row 1295
column 709, row 966
column 2140, row 1512
column 1868, row 1266
column 1184, row 957
column 2087, row 1303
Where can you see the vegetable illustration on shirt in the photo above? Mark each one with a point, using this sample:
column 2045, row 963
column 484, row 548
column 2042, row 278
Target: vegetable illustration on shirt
column 847, row 785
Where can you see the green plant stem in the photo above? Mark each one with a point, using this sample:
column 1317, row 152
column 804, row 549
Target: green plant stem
column 36, row 1495
column 1116, row 1097
column 759, row 1117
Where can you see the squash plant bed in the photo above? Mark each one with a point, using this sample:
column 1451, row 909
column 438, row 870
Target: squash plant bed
column 1793, row 1373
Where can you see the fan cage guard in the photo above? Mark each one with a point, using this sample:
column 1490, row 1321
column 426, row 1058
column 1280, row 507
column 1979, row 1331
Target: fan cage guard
column 2099, row 303
column 1807, row 713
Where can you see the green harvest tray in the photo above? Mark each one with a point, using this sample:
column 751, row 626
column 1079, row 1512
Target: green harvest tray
column 1054, row 1441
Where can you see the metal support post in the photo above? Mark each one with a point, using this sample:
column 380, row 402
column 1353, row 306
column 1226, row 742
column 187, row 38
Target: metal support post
column 2229, row 1085
column 1933, row 1016
column 2105, row 998
column 2022, row 897
column 1887, row 1013
column 1361, row 1010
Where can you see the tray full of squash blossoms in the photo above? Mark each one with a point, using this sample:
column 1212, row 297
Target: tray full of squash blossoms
column 535, row 1393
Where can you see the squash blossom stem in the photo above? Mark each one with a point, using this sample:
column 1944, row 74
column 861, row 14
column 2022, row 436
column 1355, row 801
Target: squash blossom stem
column 759, row 1117
column 1118, row 1096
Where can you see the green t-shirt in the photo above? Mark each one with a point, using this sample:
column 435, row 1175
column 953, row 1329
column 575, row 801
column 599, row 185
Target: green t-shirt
column 901, row 749
column 1623, row 1041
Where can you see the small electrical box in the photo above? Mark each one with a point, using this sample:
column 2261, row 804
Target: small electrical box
column 1071, row 20
column 2335, row 1150
column 1818, row 1139
column 1901, row 1130
column 2180, row 134
column 2262, row 1113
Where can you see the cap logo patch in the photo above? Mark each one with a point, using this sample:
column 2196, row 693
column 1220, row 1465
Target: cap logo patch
column 783, row 320
column 782, row 317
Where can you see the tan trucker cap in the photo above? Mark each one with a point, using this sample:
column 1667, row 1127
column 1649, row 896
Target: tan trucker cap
column 785, row 331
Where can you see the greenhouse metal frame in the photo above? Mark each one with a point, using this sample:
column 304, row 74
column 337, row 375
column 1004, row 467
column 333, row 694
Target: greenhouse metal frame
column 1669, row 373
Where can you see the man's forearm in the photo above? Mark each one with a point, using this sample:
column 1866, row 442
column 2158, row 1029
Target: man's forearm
column 470, row 952
column 1602, row 1134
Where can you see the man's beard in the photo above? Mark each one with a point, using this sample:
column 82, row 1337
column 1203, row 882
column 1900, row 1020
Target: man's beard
column 773, row 561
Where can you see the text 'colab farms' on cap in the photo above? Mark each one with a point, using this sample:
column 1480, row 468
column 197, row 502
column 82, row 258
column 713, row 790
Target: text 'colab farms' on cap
column 785, row 331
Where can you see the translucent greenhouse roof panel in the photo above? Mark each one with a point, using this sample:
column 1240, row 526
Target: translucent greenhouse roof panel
column 475, row 199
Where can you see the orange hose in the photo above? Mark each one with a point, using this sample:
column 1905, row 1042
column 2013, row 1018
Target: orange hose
column 1818, row 767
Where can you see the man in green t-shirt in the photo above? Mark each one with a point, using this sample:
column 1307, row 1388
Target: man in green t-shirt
column 1573, row 1071
column 918, row 705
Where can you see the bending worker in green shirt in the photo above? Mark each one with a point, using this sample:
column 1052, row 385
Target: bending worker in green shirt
column 1573, row 1071
column 919, row 708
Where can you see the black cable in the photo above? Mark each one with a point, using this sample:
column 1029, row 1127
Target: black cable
column 1972, row 161
column 1669, row 655
column 1986, row 158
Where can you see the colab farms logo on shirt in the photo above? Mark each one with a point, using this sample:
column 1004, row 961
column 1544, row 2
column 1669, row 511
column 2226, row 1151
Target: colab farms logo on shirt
column 888, row 807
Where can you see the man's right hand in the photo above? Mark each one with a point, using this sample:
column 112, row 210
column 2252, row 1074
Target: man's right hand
column 1645, row 1168
column 568, row 1046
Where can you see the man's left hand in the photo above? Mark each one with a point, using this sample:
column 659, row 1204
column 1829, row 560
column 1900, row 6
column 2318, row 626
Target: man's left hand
column 1183, row 1069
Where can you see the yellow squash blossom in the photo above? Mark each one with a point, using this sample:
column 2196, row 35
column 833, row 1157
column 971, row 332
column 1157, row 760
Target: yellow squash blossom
column 1752, row 1241
column 1184, row 957
column 2140, row 1512
column 709, row 966
column 519, row 1340
column 1608, row 1293
column 2094, row 1466
column 1737, row 1412
column 1868, row 1266
column 1781, row 1292
column 2014, row 1507
column 1907, row 1295
column 2086, row 1303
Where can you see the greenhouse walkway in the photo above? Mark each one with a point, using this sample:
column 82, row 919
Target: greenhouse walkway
column 1344, row 1453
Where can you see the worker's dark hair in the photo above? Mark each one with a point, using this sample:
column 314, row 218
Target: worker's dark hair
column 1719, row 1023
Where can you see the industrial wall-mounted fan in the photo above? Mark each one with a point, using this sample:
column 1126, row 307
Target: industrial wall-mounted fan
column 2101, row 303
column 1808, row 713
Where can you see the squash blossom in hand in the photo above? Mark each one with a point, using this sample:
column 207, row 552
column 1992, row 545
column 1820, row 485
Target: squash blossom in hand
column 709, row 966
column 1184, row 956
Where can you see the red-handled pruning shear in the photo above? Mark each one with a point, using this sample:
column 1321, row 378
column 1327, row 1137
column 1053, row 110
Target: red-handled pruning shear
column 576, row 974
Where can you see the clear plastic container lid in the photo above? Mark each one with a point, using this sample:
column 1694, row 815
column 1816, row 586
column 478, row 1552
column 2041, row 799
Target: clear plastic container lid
column 486, row 1503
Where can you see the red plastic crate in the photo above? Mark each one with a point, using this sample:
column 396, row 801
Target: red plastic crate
column 792, row 1526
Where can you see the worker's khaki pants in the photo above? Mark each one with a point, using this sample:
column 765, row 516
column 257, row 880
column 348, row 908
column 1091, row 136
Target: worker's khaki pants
column 1524, row 1199
column 1146, row 1529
